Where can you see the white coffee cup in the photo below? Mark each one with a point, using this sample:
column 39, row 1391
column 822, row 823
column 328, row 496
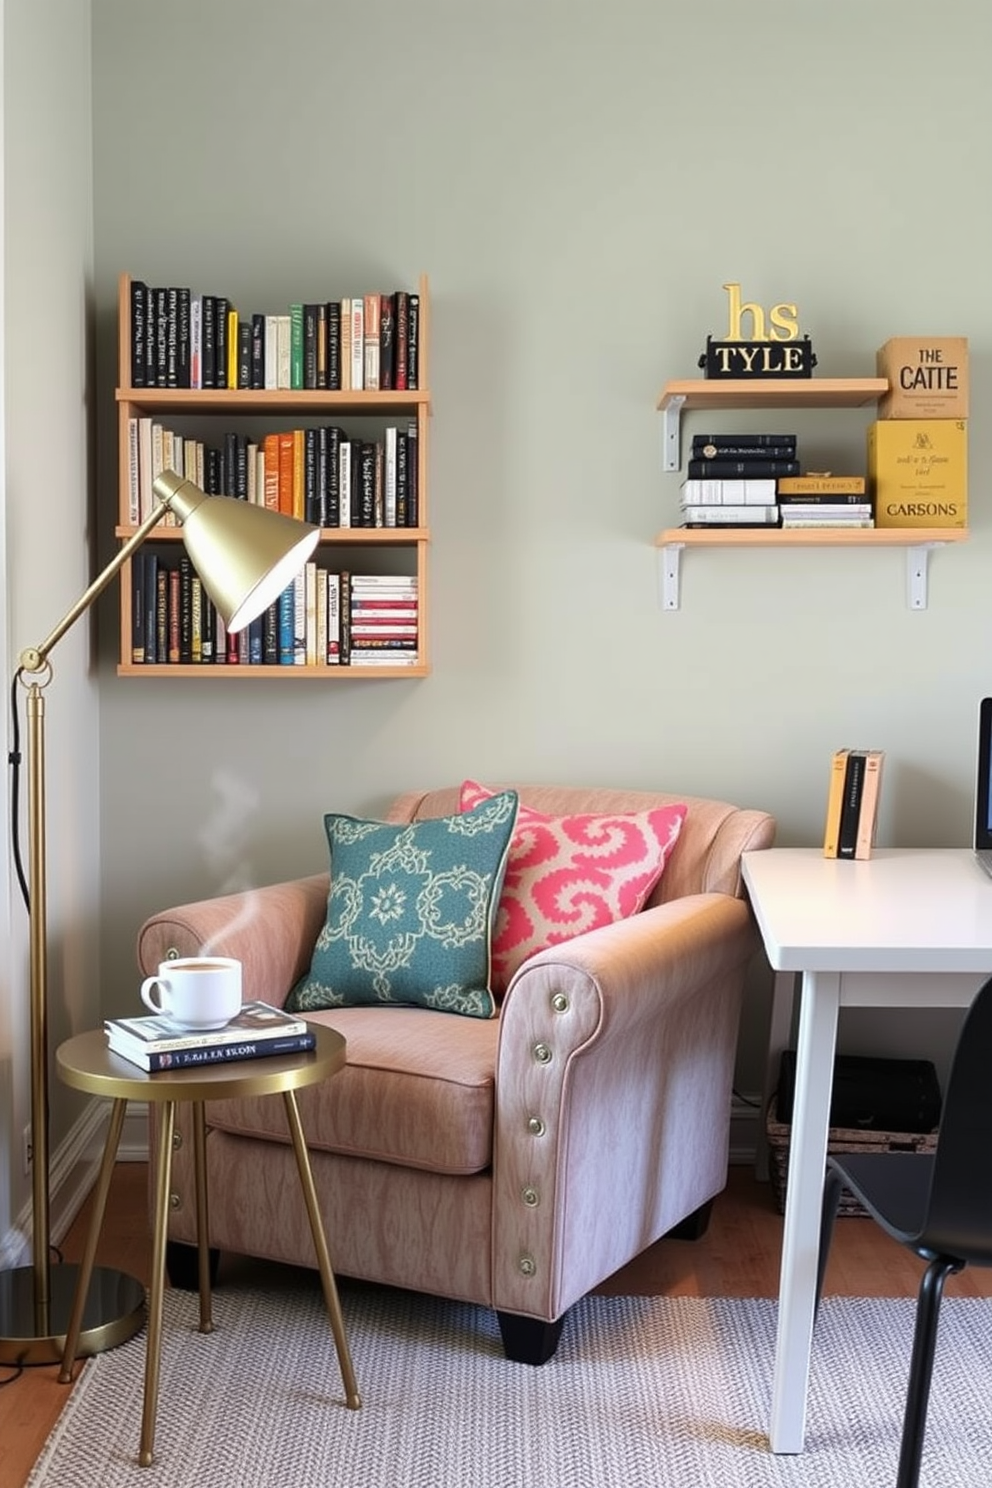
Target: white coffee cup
column 196, row 992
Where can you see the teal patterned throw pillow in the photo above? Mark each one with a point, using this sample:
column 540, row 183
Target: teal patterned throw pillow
column 410, row 912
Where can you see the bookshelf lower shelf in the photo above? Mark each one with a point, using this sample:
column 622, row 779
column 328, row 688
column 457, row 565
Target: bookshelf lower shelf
column 271, row 673
column 918, row 542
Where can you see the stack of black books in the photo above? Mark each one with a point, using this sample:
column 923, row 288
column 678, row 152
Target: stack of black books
column 731, row 479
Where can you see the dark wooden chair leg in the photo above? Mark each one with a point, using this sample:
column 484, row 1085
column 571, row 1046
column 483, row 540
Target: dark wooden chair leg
column 529, row 1340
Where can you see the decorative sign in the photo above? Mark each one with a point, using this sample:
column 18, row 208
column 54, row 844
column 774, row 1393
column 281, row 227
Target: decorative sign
column 758, row 358
column 776, row 351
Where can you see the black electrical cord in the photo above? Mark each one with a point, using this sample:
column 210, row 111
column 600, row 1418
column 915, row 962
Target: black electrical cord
column 14, row 760
column 745, row 1101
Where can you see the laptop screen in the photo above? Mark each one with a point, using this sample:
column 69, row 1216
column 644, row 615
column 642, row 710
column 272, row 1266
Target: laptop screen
column 983, row 794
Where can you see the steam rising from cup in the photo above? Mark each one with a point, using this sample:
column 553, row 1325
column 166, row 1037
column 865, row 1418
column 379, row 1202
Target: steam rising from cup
column 224, row 838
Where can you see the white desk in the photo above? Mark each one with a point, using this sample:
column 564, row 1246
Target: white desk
column 909, row 927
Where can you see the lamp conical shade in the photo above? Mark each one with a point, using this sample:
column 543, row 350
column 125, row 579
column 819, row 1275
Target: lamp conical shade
column 245, row 555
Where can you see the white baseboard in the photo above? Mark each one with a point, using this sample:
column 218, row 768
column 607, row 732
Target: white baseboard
column 73, row 1173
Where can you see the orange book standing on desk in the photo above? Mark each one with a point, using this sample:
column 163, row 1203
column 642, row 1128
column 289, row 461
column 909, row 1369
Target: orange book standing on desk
column 835, row 801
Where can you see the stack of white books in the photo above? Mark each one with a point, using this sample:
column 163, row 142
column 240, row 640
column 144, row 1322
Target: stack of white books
column 157, row 1043
column 729, row 503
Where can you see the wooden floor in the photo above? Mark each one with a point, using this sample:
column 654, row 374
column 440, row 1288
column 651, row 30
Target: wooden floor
column 738, row 1257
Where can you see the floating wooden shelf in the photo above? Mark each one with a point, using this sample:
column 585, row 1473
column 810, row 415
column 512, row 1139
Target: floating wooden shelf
column 774, row 392
column 247, row 400
column 813, row 537
column 225, row 672
column 759, row 392
column 917, row 540
column 332, row 536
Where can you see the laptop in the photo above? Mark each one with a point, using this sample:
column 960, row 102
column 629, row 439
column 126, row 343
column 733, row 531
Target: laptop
column 983, row 794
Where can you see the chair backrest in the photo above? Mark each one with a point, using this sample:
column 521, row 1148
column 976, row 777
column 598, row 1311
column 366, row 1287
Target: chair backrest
column 959, row 1219
column 707, row 856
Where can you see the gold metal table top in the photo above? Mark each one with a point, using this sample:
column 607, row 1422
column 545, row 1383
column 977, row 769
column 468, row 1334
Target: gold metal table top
column 87, row 1063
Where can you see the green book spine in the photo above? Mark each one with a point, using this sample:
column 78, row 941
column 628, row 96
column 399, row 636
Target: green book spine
column 296, row 346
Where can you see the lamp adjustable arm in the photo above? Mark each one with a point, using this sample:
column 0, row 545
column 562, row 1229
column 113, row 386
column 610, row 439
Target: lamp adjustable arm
column 34, row 658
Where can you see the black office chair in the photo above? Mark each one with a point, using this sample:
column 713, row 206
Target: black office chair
column 939, row 1205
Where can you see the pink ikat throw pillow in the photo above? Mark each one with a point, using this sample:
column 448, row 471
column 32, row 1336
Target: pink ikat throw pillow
column 569, row 874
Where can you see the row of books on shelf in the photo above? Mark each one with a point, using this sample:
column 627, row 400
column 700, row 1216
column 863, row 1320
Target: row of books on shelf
column 155, row 1043
column 184, row 339
column 324, row 618
column 743, row 456
column 756, row 480
column 317, row 474
column 852, row 803
column 779, row 513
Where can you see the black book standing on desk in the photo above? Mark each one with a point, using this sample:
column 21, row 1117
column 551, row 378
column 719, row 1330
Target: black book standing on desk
column 854, row 779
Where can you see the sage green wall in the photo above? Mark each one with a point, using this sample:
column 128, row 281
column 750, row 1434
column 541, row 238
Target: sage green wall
column 48, row 543
column 579, row 180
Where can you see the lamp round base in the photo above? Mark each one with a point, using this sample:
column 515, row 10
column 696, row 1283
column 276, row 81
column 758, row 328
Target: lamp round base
column 31, row 1334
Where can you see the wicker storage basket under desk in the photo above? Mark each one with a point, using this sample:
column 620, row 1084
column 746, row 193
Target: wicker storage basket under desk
column 839, row 1139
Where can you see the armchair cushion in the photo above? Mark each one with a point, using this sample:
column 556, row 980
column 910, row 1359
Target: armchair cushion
column 569, row 874
column 418, row 1091
column 410, row 912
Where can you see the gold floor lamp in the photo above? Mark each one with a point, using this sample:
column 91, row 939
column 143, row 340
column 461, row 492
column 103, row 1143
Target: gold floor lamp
column 245, row 556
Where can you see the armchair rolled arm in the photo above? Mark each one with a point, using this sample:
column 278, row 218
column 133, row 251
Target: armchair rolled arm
column 270, row 930
column 611, row 1045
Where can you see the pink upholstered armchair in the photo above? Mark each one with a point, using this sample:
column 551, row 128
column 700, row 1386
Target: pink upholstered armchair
column 515, row 1162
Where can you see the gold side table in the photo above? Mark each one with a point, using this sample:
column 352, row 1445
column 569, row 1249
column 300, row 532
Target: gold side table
column 86, row 1063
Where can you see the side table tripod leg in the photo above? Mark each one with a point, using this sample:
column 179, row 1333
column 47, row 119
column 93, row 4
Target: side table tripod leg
column 328, row 1283
column 163, row 1180
column 96, row 1224
column 202, row 1217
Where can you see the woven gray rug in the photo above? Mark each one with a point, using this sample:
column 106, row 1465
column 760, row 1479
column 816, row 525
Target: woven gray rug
column 643, row 1391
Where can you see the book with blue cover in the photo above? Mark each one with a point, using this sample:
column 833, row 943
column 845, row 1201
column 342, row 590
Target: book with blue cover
column 157, row 1032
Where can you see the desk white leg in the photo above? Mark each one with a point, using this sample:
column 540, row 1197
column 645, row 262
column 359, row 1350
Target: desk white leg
column 807, row 1161
column 779, row 1033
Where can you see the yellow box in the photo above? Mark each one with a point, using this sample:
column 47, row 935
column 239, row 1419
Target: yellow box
column 918, row 472
column 927, row 376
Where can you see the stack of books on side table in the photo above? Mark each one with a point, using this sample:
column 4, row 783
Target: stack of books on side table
column 157, row 1043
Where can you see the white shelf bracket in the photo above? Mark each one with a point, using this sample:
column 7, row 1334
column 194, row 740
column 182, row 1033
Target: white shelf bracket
column 671, row 419
column 917, row 561
column 670, row 556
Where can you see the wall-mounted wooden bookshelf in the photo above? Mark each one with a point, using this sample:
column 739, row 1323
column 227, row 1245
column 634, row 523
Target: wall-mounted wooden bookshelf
column 398, row 549
column 811, row 392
